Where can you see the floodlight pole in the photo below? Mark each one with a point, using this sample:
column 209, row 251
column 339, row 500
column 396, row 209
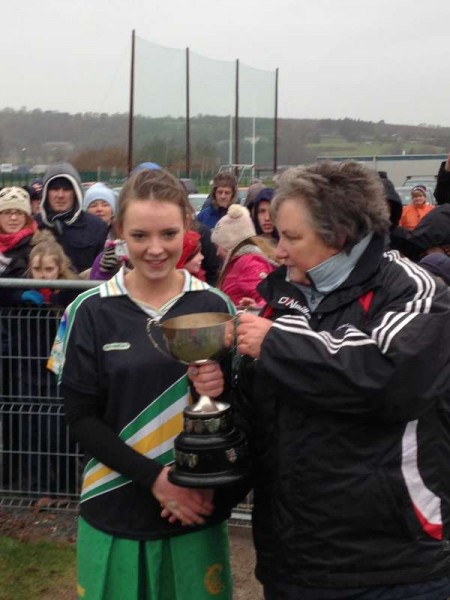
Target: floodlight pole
column 253, row 144
column 236, row 119
column 230, row 141
column 131, row 111
column 188, row 117
column 275, row 127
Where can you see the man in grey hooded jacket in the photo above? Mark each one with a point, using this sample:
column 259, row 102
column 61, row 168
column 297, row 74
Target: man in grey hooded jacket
column 81, row 234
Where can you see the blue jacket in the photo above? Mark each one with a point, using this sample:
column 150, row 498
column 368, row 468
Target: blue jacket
column 210, row 215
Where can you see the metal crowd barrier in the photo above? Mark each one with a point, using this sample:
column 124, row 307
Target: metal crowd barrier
column 37, row 458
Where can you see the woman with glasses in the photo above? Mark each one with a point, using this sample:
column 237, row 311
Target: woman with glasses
column 16, row 230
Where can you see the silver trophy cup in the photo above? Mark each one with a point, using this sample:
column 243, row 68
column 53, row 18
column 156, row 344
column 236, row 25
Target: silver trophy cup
column 210, row 452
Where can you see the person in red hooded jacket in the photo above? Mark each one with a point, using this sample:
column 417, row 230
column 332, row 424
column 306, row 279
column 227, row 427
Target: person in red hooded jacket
column 192, row 257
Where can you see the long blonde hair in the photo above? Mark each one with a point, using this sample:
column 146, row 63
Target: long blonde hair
column 48, row 246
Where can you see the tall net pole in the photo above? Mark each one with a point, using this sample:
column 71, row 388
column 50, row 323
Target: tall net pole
column 236, row 118
column 131, row 112
column 275, row 127
column 188, row 121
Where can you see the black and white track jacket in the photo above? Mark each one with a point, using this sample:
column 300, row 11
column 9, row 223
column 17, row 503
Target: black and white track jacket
column 347, row 412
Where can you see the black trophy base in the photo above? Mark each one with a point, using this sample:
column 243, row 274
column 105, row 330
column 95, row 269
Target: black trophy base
column 205, row 480
column 214, row 460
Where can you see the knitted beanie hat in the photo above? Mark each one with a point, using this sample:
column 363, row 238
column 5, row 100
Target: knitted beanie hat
column 34, row 189
column 15, row 198
column 99, row 191
column 232, row 229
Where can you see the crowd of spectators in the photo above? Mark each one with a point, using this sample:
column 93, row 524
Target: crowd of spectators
column 342, row 375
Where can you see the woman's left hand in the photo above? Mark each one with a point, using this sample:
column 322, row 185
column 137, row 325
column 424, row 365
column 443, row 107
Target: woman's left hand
column 251, row 332
column 207, row 379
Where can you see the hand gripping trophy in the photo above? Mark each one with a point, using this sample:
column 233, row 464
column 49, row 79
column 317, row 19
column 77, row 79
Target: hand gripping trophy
column 210, row 452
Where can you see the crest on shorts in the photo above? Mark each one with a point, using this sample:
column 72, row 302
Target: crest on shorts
column 214, row 582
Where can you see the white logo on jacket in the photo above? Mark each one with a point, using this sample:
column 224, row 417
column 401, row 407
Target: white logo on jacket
column 295, row 304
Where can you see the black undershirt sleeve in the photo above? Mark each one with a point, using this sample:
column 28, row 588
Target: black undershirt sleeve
column 99, row 440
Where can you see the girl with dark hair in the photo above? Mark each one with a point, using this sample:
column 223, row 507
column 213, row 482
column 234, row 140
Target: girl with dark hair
column 260, row 210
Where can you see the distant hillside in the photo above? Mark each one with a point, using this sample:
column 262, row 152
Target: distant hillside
column 99, row 140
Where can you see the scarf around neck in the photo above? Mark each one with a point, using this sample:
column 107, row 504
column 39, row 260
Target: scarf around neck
column 331, row 273
column 10, row 240
column 59, row 220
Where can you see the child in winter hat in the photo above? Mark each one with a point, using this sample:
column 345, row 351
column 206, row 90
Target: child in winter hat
column 35, row 191
column 191, row 257
column 191, row 246
column 232, row 229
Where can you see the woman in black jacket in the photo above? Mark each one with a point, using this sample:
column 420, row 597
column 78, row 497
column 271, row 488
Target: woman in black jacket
column 346, row 405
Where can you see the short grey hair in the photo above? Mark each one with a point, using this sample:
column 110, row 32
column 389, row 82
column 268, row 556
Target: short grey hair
column 345, row 200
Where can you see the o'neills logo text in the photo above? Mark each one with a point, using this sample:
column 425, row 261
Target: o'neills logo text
column 117, row 346
column 294, row 304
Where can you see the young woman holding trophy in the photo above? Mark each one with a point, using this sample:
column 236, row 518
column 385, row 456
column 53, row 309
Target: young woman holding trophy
column 140, row 536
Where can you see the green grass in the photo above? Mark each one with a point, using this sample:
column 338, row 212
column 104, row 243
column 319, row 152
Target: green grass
column 36, row 570
column 353, row 148
column 338, row 146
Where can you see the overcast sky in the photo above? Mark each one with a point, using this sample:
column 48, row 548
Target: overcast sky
column 370, row 60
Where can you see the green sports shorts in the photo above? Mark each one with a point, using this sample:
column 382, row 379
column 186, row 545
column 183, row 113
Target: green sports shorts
column 194, row 566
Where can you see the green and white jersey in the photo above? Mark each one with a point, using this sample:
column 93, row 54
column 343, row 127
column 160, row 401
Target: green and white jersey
column 102, row 349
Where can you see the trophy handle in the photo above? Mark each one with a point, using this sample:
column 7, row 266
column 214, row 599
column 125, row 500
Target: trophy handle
column 154, row 323
column 249, row 310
